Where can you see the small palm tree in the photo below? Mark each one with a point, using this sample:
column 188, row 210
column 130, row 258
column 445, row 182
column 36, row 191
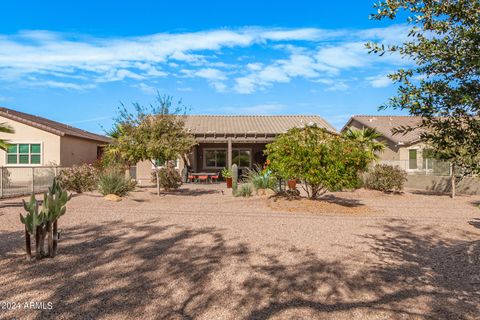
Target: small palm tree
column 5, row 128
column 368, row 139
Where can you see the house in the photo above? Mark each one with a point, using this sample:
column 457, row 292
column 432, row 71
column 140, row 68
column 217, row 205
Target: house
column 41, row 142
column 407, row 151
column 226, row 140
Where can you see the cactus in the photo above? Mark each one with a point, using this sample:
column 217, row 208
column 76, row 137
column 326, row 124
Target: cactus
column 234, row 178
column 54, row 206
column 44, row 222
column 33, row 217
column 34, row 222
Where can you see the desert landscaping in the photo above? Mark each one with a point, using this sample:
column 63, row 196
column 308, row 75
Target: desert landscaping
column 199, row 253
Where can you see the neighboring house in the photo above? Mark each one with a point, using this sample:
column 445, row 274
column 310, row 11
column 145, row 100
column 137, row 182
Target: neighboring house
column 225, row 140
column 404, row 150
column 41, row 142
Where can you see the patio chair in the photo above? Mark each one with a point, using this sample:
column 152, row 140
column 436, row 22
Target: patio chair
column 202, row 178
column 215, row 177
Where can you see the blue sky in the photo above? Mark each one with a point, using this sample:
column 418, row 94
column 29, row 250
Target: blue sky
column 75, row 61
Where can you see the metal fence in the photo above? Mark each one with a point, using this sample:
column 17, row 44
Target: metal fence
column 18, row 181
column 422, row 167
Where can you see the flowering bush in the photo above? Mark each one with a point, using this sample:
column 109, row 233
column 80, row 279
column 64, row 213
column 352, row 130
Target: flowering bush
column 79, row 178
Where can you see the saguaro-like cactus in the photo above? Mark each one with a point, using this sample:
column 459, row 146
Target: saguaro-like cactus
column 44, row 222
column 33, row 222
column 234, row 177
column 53, row 208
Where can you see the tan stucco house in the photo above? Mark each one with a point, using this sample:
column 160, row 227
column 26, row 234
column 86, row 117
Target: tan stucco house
column 225, row 140
column 407, row 151
column 41, row 142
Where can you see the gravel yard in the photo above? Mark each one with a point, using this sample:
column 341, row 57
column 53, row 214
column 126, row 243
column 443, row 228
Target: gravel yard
column 200, row 253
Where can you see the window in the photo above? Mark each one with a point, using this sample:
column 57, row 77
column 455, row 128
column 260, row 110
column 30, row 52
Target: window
column 24, row 153
column 412, row 159
column 241, row 158
column 215, row 158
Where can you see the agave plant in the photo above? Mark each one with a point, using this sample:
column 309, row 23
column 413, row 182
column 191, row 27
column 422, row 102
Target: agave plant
column 44, row 222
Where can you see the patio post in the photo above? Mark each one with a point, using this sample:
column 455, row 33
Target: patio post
column 229, row 152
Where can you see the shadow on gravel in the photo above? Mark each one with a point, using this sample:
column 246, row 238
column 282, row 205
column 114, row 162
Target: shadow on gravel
column 475, row 222
column 149, row 270
column 190, row 191
column 341, row 201
column 11, row 204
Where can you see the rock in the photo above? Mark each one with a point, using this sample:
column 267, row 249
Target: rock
column 260, row 192
column 113, row 197
column 269, row 192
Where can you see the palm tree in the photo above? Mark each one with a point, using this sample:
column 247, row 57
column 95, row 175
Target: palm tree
column 368, row 139
column 5, row 128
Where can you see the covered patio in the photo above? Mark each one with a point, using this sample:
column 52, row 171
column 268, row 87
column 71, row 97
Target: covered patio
column 241, row 140
column 227, row 140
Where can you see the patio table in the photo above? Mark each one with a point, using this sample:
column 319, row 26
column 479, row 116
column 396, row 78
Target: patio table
column 208, row 174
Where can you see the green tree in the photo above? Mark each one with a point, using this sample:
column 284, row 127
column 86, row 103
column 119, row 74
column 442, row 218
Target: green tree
column 156, row 133
column 5, row 128
column 323, row 160
column 443, row 84
column 367, row 139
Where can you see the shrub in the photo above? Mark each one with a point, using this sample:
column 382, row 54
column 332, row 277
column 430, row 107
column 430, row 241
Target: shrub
column 245, row 190
column 113, row 181
column 79, row 178
column 322, row 160
column 226, row 173
column 386, row 178
column 261, row 179
column 169, row 178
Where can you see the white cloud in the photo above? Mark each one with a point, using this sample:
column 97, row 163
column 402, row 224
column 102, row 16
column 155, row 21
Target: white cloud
column 77, row 62
column 338, row 86
column 210, row 74
column 343, row 56
column 146, row 88
column 379, row 81
column 282, row 70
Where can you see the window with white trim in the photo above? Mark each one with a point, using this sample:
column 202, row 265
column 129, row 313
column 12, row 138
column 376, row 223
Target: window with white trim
column 24, row 153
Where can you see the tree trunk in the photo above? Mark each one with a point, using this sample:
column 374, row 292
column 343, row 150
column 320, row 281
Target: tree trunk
column 50, row 239
column 452, row 181
column 28, row 244
column 158, row 182
column 55, row 237
column 38, row 250
column 43, row 233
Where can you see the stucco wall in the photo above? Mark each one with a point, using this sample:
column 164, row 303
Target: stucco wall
column 77, row 151
column 144, row 169
column 467, row 185
column 27, row 134
column 391, row 151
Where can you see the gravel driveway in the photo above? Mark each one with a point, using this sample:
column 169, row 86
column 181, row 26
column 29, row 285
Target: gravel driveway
column 200, row 253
